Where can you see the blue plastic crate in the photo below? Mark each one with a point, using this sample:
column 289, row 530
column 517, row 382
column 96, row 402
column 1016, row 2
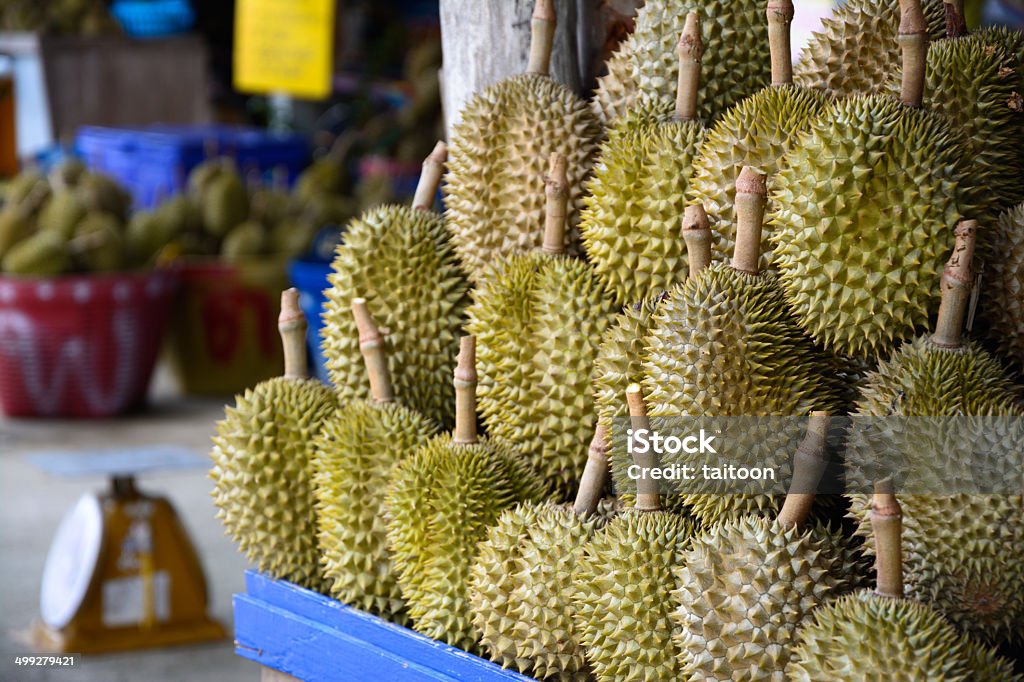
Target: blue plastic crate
column 154, row 162
column 153, row 18
column 317, row 639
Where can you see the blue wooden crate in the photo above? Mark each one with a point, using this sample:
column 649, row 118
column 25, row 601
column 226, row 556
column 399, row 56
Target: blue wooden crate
column 317, row 639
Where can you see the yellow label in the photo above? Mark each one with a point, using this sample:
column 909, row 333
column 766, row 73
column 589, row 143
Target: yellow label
column 284, row 46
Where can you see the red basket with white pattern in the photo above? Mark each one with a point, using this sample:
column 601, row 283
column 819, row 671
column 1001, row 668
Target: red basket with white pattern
column 81, row 345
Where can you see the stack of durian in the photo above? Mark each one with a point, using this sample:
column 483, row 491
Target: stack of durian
column 716, row 234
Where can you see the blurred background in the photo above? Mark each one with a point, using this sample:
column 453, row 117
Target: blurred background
column 189, row 177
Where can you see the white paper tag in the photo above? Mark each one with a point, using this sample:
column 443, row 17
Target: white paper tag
column 124, row 603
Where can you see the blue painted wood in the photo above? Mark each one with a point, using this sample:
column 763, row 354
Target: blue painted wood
column 317, row 639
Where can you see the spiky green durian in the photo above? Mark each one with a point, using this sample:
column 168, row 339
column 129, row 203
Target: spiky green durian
column 14, row 227
column 538, row 320
column 498, row 150
column 224, row 203
column 864, row 637
column 98, row 245
column 520, row 588
column 440, row 504
column 756, row 132
column 631, row 220
column 746, row 585
column 862, row 211
column 1003, row 294
column 857, row 48
column 62, row 213
column 262, row 463
column 622, row 599
column 102, row 194
column 245, row 240
column 43, row 254
column 644, row 67
column 402, row 262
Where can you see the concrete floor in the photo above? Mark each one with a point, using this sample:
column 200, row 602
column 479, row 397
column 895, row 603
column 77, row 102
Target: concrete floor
column 32, row 503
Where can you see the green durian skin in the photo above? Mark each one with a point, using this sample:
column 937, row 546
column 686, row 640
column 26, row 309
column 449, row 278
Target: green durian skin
column 43, row 254
column 263, row 476
column 494, row 193
column 1002, row 296
column 292, row 238
column 538, row 320
column 857, row 49
column 520, row 589
column 865, row 637
column 859, row 261
column 402, row 262
column 645, row 67
column 746, row 585
column 441, row 501
column 13, row 228
column 62, row 214
column 961, row 551
column 224, row 203
column 107, row 252
column 725, row 344
column 245, row 240
column 757, row 132
column 623, row 596
column 355, row 454
column 634, row 207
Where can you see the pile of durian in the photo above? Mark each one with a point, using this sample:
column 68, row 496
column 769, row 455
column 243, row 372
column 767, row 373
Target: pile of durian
column 715, row 234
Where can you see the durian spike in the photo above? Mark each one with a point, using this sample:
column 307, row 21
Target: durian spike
column 595, row 474
column 557, row 191
column 780, row 20
column 291, row 323
column 430, row 177
column 542, row 37
column 465, row 393
column 956, row 283
column 751, row 197
column 887, row 527
column 808, row 468
column 691, row 52
column 956, row 24
column 913, row 39
column 371, row 345
column 697, row 235
column 648, row 498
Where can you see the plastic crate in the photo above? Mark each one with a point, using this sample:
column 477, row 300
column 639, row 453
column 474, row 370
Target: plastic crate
column 318, row 639
column 153, row 163
column 81, row 345
column 153, row 18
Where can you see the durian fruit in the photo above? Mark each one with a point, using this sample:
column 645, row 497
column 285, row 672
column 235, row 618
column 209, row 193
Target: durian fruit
column 857, row 48
column 28, row 183
column 245, row 240
column 355, row 453
column 499, row 147
column 747, row 584
column 14, row 226
column 963, row 537
column 292, row 238
column 400, row 259
column 67, row 174
column 644, row 67
column 62, row 213
column 224, row 202
column 203, row 173
column 43, row 254
column 725, row 344
column 262, row 462
column 857, row 257
column 101, row 194
column 636, row 198
column 1003, row 296
column 756, row 132
column 538, row 319
column 98, row 245
column 624, row 582
column 880, row 635
column 442, row 499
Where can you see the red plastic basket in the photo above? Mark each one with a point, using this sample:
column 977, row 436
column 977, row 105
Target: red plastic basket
column 80, row 346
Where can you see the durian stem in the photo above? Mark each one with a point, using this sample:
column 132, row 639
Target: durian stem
column 913, row 39
column 697, row 235
column 780, row 20
column 808, row 468
column 430, row 178
column 595, row 474
column 557, row 207
column 465, row 393
column 291, row 323
column 648, row 498
column 751, row 197
column 887, row 526
column 690, row 51
column 956, row 24
column 371, row 345
column 542, row 37
column 956, row 284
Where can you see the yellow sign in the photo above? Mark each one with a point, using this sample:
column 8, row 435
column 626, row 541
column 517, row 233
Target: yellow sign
column 284, row 46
